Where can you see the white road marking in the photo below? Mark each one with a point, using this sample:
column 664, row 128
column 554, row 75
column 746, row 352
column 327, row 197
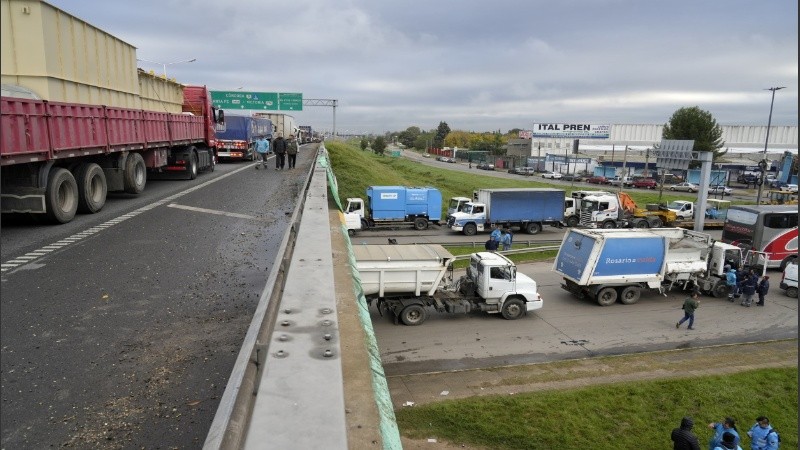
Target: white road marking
column 31, row 256
column 211, row 211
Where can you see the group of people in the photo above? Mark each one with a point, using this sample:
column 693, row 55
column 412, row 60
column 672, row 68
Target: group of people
column 281, row 147
column 499, row 238
column 745, row 283
column 726, row 435
column 742, row 283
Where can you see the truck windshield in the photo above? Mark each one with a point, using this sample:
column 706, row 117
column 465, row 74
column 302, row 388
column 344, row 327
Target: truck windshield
column 589, row 205
column 675, row 205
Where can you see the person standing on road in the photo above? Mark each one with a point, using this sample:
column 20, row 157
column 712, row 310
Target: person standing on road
column 683, row 437
column 762, row 435
column 262, row 150
column 749, row 288
column 506, row 239
column 726, row 426
column 762, row 289
column 291, row 151
column 730, row 281
column 689, row 307
column 280, row 152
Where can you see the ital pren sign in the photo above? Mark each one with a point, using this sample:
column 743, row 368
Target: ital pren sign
column 264, row 101
column 571, row 130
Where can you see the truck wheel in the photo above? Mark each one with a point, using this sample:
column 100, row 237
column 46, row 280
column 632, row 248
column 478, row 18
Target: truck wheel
column 413, row 315
column 641, row 224
column 135, row 175
column 470, row 229
column 791, row 292
column 607, row 296
column 513, row 308
column 609, row 224
column 61, row 196
column 721, row 290
column 192, row 165
column 420, row 223
column 630, row 295
column 656, row 223
column 92, row 188
column 534, row 228
column 351, row 232
column 573, row 221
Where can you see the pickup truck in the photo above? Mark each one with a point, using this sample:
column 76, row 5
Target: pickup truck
column 621, row 181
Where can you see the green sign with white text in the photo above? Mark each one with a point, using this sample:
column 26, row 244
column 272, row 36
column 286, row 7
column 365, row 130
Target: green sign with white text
column 265, row 101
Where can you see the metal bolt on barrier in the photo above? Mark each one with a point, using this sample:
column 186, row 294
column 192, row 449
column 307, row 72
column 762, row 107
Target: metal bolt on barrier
column 328, row 353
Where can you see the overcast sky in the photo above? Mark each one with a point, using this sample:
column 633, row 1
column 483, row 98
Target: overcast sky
column 477, row 65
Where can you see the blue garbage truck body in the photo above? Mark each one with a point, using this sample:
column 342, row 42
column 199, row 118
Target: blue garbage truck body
column 404, row 204
column 238, row 139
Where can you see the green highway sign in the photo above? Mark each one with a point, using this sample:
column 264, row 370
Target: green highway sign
column 266, row 101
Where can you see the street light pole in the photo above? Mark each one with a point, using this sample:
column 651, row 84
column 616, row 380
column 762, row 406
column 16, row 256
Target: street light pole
column 763, row 163
column 164, row 65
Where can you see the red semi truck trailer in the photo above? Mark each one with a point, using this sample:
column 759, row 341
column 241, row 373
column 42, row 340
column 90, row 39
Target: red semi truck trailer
column 58, row 158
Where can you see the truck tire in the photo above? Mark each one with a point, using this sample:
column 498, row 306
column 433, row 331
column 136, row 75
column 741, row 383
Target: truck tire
column 641, row 224
column 573, row 221
column 791, row 292
column 655, row 222
column 607, row 296
column 513, row 308
column 413, row 315
column 420, row 223
column 608, row 224
column 630, row 295
column 533, row 228
column 61, row 196
column 364, row 224
column 351, row 232
column 92, row 188
column 470, row 229
column 191, row 168
column 721, row 290
column 135, row 174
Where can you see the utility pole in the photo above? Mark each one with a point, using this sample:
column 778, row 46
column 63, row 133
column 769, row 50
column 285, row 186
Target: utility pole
column 763, row 163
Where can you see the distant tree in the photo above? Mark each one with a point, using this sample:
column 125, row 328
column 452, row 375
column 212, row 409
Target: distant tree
column 409, row 136
column 379, row 145
column 364, row 143
column 441, row 133
column 458, row 139
column 694, row 123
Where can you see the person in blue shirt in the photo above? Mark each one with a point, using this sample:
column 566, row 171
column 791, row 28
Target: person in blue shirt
column 726, row 426
column 495, row 236
column 506, row 239
column 262, row 150
column 730, row 281
column 763, row 436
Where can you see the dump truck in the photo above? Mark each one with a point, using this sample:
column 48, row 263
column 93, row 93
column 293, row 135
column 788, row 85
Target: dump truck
column 397, row 206
column 528, row 209
column 607, row 265
column 408, row 280
column 619, row 210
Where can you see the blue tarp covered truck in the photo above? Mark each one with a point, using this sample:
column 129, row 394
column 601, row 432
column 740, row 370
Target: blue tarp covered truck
column 607, row 265
column 398, row 206
column 528, row 209
column 238, row 138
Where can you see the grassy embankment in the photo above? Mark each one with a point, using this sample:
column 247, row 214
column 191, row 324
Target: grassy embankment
column 621, row 416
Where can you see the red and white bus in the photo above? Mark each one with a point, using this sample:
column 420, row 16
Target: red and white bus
column 771, row 229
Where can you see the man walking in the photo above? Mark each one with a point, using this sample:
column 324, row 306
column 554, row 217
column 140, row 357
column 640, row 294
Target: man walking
column 262, row 150
column 280, row 152
column 689, row 307
column 291, row 151
column 762, row 289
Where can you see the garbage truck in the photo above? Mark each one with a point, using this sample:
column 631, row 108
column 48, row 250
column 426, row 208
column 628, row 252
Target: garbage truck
column 409, row 280
column 393, row 206
column 607, row 265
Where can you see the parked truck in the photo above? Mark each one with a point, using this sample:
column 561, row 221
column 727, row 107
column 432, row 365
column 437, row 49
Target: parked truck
column 407, row 280
column 237, row 139
column 283, row 124
column 528, row 209
column 618, row 210
column 607, row 265
column 395, row 206
column 76, row 126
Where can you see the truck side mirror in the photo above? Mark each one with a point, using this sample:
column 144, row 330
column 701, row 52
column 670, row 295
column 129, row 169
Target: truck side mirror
column 220, row 116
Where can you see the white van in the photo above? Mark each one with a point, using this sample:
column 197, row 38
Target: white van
column 789, row 280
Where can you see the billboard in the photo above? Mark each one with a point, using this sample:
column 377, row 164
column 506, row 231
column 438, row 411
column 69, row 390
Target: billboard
column 571, row 130
column 268, row 101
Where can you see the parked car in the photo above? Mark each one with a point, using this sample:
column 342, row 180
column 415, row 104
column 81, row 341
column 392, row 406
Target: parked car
column 644, row 183
column 597, row 180
column 789, row 188
column 685, row 186
column 747, row 179
column 789, row 279
column 523, row 171
column 775, row 184
column 719, row 189
column 572, row 177
column 485, row 166
column 552, row 175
